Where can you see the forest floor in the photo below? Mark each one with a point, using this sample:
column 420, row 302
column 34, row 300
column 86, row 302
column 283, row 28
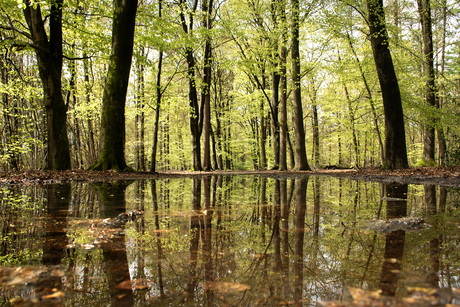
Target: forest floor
column 445, row 176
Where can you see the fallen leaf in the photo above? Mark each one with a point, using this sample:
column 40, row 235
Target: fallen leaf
column 225, row 287
column 57, row 294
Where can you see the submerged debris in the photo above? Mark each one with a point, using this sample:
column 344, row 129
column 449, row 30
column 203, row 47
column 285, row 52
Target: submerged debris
column 404, row 223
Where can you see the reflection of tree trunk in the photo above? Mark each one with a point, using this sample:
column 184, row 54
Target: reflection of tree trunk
column 285, row 235
column 301, row 206
column 195, row 222
column 207, row 251
column 394, row 245
column 430, row 200
column 263, row 204
column 157, row 227
column 276, row 226
column 55, row 236
column 316, row 212
column 116, row 267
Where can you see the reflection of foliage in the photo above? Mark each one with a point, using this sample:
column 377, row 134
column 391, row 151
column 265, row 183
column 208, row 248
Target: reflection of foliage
column 228, row 249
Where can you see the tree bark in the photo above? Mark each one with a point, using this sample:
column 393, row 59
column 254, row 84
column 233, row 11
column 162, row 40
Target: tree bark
column 301, row 163
column 112, row 151
column 157, row 107
column 283, row 94
column 430, row 87
column 195, row 114
column 49, row 60
column 206, row 91
column 395, row 143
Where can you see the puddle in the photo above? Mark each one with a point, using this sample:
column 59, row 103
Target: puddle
column 230, row 241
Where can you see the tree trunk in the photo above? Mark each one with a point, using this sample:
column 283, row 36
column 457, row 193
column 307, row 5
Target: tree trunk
column 283, row 94
column 49, row 60
column 206, row 91
column 194, row 118
column 157, row 107
column 430, row 87
column 351, row 117
column 91, row 146
column 157, row 110
column 395, row 139
column 440, row 100
column 301, row 163
column 315, row 132
column 371, row 101
column 112, row 152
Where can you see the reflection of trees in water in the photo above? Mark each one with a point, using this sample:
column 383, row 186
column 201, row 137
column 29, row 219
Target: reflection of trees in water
column 212, row 238
column 116, row 267
column 394, row 241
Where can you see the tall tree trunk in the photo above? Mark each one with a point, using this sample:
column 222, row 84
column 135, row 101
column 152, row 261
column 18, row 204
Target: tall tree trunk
column 195, row 114
column 440, row 100
column 395, row 139
column 315, row 132
column 49, row 60
column 371, row 101
column 283, row 94
column 351, row 117
column 301, row 163
column 263, row 137
column 206, row 91
column 112, row 151
column 430, row 87
column 91, row 146
column 157, row 107
column 276, row 78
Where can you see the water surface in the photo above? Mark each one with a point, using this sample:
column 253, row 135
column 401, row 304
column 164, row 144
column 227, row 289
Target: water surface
column 228, row 241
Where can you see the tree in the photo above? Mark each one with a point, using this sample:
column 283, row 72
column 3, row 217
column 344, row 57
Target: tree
column 301, row 162
column 112, row 151
column 424, row 9
column 206, row 91
column 395, row 139
column 49, row 60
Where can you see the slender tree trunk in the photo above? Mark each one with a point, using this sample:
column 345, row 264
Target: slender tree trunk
column 157, row 108
column 430, row 86
column 158, row 103
column 395, row 139
column 440, row 100
column 206, row 91
column 301, row 162
column 112, row 151
column 263, row 137
column 315, row 132
column 49, row 60
column 371, row 101
column 351, row 117
column 283, row 94
column 195, row 115
column 91, row 146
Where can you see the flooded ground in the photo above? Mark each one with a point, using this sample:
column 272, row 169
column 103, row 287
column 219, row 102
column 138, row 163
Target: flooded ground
column 230, row 241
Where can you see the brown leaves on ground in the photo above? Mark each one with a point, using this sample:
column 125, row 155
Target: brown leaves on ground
column 422, row 175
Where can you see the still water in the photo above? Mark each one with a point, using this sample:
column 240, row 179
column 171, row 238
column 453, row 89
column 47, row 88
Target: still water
column 230, row 241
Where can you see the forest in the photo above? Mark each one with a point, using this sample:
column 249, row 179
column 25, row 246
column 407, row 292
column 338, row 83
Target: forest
column 228, row 84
